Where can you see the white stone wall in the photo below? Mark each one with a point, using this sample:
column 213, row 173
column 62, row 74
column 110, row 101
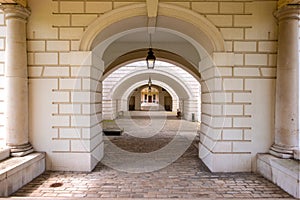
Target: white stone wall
column 299, row 64
column 238, row 99
column 2, row 72
column 65, row 87
column 237, row 92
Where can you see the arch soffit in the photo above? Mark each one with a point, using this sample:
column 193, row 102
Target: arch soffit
column 156, row 75
column 196, row 22
column 168, row 88
column 162, row 55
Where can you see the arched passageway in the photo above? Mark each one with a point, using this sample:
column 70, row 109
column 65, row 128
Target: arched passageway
column 66, row 51
column 182, row 89
column 151, row 97
column 189, row 46
column 73, row 46
column 183, row 38
column 190, row 43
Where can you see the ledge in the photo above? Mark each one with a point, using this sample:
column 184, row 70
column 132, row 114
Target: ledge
column 297, row 154
column 16, row 172
column 4, row 153
column 283, row 172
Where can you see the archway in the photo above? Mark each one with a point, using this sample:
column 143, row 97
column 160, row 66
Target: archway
column 149, row 98
column 183, row 88
column 172, row 17
column 145, row 98
column 196, row 34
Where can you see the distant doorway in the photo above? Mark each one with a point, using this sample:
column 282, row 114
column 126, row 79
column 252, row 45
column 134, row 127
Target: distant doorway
column 132, row 103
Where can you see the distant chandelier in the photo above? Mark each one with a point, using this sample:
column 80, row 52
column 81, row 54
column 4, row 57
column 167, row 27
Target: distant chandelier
column 149, row 84
column 150, row 59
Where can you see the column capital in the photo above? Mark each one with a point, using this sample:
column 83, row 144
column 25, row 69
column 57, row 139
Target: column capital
column 288, row 12
column 15, row 11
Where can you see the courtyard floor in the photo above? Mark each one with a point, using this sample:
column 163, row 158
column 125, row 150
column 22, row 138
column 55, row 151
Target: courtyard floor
column 138, row 166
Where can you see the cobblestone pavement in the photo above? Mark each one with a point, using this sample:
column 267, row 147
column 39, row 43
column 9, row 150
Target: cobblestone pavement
column 186, row 178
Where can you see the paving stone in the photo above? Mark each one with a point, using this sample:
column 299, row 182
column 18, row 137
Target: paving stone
column 185, row 178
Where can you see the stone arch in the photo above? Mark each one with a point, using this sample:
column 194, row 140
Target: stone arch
column 194, row 28
column 168, row 88
column 159, row 75
column 161, row 54
column 199, row 28
column 115, row 96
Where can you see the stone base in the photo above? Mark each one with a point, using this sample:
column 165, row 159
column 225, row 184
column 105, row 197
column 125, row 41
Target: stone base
column 297, row 154
column 281, row 152
column 4, row 153
column 16, row 172
column 225, row 162
column 282, row 172
column 20, row 150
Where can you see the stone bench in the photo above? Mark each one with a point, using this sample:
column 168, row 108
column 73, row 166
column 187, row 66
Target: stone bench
column 16, row 172
column 112, row 132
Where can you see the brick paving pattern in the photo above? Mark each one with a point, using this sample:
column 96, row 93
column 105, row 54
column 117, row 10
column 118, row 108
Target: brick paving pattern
column 186, row 178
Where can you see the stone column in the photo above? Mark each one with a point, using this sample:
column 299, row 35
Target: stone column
column 16, row 97
column 287, row 84
column 138, row 100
